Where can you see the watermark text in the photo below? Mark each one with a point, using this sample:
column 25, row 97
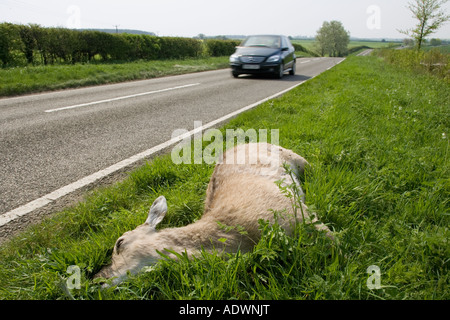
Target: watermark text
column 187, row 153
column 74, row 20
column 374, row 19
column 374, row 280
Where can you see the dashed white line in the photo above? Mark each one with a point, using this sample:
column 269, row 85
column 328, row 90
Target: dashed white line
column 121, row 98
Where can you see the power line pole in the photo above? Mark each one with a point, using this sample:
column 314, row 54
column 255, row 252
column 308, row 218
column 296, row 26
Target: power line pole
column 117, row 30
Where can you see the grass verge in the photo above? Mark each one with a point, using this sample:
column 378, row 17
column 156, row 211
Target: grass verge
column 377, row 139
column 431, row 61
column 15, row 81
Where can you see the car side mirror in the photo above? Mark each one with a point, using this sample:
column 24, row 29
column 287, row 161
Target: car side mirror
column 285, row 49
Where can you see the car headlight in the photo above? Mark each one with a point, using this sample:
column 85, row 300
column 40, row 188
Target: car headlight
column 274, row 58
column 234, row 58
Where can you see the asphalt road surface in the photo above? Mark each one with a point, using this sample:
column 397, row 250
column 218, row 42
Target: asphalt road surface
column 365, row 53
column 50, row 140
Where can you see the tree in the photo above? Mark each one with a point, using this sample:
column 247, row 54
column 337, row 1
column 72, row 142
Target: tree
column 40, row 36
column 333, row 39
column 29, row 43
column 435, row 42
column 10, row 44
column 408, row 42
column 430, row 18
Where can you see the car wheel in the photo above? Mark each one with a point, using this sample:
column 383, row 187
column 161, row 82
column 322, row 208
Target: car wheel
column 235, row 74
column 294, row 66
column 280, row 73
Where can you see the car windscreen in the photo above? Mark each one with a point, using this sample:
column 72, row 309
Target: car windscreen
column 262, row 41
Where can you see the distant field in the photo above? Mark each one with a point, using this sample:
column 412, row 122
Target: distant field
column 373, row 44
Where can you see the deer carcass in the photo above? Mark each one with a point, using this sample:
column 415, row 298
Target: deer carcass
column 246, row 186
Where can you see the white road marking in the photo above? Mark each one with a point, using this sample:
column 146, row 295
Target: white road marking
column 365, row 53
column 336, row 64
column 305, row 61
column 49, row 198
column 121, row 98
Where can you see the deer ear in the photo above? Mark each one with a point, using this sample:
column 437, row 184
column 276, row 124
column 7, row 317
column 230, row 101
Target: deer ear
column 157, row 212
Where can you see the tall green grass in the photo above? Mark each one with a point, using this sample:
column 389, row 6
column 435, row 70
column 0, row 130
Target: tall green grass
column 377, row 140
column 445, row 49
column 432, row 61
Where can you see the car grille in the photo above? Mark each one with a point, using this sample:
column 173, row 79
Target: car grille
column 252, row 59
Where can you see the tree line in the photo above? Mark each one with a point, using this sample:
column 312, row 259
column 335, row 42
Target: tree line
column 32, row 44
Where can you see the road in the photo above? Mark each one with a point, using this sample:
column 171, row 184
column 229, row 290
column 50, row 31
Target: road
column 51, row 140
column 365, row 53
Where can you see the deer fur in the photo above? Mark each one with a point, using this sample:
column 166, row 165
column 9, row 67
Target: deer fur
column 244, row 188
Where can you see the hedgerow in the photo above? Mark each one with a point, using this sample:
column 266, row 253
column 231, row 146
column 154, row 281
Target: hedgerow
column 21, row 45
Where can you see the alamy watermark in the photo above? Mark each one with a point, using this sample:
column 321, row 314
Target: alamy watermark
column 374, row 20
column 374, row 280
column 74, row 281
column 74, row 20
column 187, row 153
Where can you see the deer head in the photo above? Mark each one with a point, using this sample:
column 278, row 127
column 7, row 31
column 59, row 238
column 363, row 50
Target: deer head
column 135, row 249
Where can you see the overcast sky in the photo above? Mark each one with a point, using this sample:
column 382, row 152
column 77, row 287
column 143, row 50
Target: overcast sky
column 363, row 18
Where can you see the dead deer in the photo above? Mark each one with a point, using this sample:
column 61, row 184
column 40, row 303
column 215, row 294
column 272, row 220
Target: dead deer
column 244, row 188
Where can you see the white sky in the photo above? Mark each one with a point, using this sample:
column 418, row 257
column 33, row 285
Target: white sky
column 363, row 18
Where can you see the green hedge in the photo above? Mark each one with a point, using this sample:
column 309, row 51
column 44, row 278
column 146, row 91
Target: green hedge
column 219, row 48
column 180, row 48
column 32, row 44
